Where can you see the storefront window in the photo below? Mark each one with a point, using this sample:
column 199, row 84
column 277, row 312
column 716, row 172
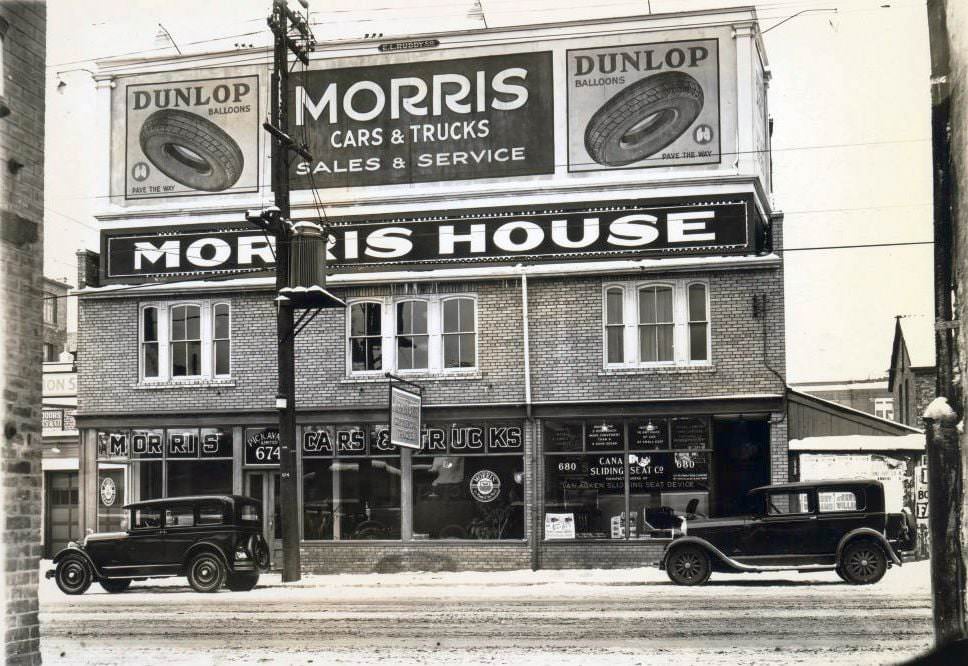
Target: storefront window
column 468, row 482
column 624, row 479
column 351, row 484
column 111, row 497
column 199, row 477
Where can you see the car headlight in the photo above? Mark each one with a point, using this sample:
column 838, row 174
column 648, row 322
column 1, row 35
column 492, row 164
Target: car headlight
column 241, row 554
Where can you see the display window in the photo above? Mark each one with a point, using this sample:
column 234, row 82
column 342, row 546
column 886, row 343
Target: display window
column 351, row 483
column 628, row 479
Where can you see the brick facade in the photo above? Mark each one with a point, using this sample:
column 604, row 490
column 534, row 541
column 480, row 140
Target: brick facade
column 23, row 25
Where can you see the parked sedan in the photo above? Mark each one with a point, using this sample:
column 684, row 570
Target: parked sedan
column 810, row 526
column 213, row 540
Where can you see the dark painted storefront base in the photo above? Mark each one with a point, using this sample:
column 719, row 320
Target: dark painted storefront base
column 356, row 557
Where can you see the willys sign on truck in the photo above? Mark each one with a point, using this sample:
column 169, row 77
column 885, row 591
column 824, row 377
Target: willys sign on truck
column 191, row 137
column 483, row 117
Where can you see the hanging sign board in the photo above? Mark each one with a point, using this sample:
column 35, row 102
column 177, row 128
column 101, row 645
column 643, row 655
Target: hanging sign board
column 404, row 418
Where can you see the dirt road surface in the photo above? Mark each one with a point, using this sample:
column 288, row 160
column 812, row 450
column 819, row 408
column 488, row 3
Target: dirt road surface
column 617, row 617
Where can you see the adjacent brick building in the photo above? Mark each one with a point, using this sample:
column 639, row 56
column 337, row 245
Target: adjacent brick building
column 599, row 344
column 22, row 38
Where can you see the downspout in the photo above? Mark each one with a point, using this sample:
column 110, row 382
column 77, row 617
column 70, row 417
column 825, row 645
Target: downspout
column 535, row 531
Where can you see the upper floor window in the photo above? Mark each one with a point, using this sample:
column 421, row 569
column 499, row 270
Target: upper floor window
column 50, row 308
column 429, row 334
column 652, row 324
column 185, row 341
column 884, row 408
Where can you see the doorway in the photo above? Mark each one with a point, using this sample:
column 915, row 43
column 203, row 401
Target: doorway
column 264, row 486
column 61, row 517
column 741, row 462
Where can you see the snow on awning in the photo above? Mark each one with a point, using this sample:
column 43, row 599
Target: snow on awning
column 914, row 442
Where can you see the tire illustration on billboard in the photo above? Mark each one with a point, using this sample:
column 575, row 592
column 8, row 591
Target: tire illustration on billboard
column 643, row 118
column 655, row 105
column 191, row 150
column 188, row 137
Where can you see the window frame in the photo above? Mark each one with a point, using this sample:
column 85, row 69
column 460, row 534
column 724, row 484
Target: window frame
column 397, row 334
column 623, row 326
column 443, row 335
column 164, row 341
column 215, row 372
column 681, row 354
column 389, row 336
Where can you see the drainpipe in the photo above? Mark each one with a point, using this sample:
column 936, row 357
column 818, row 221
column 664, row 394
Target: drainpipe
column 535, row 524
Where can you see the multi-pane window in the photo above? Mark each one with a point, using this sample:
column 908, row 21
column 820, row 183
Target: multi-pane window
column 149, row 342
column 432, row 333
column 186, row 340
column 460, row 337
column 366, row 337
column 50, row 308
column 654, row 324
column 221, row 339
column 698, row 322
column 412, row 338
column 615, row 324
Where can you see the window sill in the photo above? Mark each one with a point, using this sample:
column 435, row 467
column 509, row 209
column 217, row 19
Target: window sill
column 226, row 382
column 660, row 370
column 416, row 376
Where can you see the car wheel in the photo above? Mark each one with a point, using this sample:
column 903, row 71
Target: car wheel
column 191, row 150
column 115, row 585
column 73, row 575
column 688, row 565
column 206, row 573
column 840, row 572
column 643, row 118
column 863, row 562
column 259, row 550
column 241, row 582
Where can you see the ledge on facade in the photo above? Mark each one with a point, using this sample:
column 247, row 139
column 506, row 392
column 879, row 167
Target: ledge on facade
column 659, row 370
column 197, row 383
column 456, row 376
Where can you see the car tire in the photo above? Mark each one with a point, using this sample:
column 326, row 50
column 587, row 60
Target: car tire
column 863, row 562
column 643, row 118
column 688, row 565
column 115, row 585
column 73, row 575
column 191, row 150
column 241, row 582
column 206, row 573
column 840, row 572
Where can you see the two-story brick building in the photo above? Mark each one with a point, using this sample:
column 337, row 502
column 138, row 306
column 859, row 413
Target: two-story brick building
column 563, row 233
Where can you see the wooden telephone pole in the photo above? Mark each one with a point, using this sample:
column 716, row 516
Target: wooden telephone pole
column 945, row 468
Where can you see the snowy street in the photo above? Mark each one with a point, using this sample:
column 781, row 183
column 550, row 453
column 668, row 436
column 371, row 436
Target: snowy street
column 619, row 617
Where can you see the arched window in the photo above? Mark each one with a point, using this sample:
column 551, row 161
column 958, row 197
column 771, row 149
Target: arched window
column 656, row 325
column 186, row 341
column 366, row 336
column 413, row 340
column 221, row 338
column 615, row 325
column 698, row 323
column 459, row 333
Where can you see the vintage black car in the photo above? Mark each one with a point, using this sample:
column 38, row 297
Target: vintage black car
column 214, row 540
column 807, row 526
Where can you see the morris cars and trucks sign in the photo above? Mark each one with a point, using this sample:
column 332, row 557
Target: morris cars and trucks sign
column 484, row 117
column 644, row 105
column 191, row 136
column 588, row 231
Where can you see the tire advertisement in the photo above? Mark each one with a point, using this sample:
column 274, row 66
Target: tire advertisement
column 192, row 137
column 465, row 119
column 644, row 105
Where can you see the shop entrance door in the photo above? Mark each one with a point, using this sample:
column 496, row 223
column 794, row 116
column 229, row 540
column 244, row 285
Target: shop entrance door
column 61, row 519
column 264, row 487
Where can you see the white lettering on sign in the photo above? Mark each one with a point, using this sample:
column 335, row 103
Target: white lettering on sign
column 681, row 231
column 220, row 254
column 633, row 230
column 532, row 232
column 263, row 247
column 476, row 238
column 144, row 250
column 60, row 384
column 590, row 231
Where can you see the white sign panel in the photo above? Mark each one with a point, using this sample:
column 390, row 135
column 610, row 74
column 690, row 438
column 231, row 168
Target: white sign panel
column 404, row 418
column 559, row 526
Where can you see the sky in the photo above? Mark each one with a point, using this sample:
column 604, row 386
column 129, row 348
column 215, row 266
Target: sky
column 851, row 145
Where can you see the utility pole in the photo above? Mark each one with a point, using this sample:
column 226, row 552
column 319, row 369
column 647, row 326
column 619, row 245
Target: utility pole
column 280, row 22
column 945, row 468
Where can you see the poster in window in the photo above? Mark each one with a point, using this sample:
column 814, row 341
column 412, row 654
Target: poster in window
column 560, row 436
column 668, row 471
column 649, row 435
column 604, row 436
column 690, row 433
